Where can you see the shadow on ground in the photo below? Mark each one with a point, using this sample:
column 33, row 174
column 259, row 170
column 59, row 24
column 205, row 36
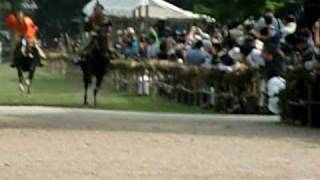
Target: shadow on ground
column 240, row 126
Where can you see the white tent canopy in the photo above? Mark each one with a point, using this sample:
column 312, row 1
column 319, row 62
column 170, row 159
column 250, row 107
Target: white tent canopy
column 156, row 9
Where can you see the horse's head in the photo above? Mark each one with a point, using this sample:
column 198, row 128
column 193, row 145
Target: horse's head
column 26, row 50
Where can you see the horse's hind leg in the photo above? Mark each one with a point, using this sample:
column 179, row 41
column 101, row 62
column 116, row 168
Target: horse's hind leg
column 99, row 80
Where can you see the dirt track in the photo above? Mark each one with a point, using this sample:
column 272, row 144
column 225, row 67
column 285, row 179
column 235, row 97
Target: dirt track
column 52, row 143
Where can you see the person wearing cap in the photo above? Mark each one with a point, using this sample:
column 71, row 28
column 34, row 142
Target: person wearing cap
column 24, row 28
column 132, row 50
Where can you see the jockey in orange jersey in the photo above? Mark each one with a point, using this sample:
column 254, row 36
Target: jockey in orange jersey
column 24, row 27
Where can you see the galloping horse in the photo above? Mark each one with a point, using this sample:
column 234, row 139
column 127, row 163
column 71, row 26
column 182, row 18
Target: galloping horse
column 95, row 63
column 26, row 59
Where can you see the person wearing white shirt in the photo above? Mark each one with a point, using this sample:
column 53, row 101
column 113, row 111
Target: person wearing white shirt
column 290, row 27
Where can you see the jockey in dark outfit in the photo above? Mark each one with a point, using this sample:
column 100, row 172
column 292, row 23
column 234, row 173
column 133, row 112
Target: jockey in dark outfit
column 97, row 26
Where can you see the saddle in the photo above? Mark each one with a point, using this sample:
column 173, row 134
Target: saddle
column 25, row 50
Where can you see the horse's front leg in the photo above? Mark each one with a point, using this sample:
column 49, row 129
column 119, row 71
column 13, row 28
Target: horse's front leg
column 99, row 80
column 85, row 98
column 29, row 81
column 95, row 93
column 21, row 80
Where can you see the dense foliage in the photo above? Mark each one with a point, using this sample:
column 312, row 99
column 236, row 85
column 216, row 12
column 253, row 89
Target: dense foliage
column 56, row 14
column 221, row 9
column 232, row 9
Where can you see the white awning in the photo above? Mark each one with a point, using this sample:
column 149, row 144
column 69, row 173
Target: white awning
column 157, row 9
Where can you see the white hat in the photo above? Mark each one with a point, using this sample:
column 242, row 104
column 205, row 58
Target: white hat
column 131, row 30
column 234, row 53
column 119, row 32
column 259, row 44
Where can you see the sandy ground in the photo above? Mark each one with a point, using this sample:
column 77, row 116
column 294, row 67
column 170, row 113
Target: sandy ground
column 51, row 143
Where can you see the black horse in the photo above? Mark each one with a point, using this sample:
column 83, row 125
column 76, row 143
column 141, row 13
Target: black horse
column 26, row 59
column 95, row 63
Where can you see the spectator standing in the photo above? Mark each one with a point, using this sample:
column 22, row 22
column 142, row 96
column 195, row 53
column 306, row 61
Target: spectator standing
column 132, row 50
column 196, row 56
column 153, row 48
column 270, row 27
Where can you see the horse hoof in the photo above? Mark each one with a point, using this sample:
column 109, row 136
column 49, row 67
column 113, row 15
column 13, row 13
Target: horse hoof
column 28, row 83
column 21, row 88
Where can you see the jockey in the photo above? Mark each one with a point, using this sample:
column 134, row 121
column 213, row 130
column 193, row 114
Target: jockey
column 94, row 24
column 24, row 28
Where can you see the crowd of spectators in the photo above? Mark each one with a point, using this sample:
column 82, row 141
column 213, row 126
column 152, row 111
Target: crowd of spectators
column 268, row 43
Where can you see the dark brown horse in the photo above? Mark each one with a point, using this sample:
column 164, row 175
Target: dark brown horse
column 95, row 63
column 26, row 59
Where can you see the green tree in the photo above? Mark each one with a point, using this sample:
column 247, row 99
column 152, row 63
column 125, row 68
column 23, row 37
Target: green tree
column 55, row 16
column 224, row 10
column 13, row 3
